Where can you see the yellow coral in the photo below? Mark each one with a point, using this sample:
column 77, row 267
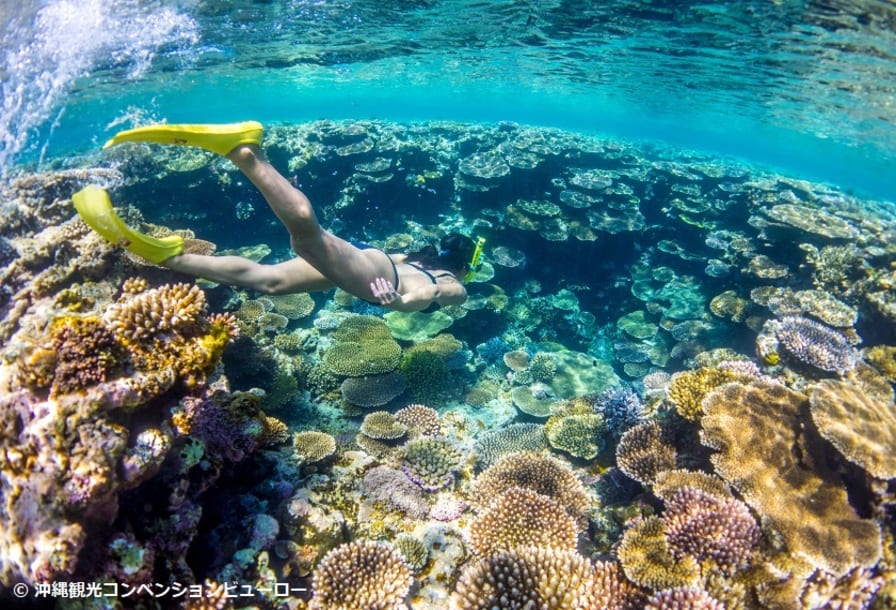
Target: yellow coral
column 521, row 517
column 861, row 427
column 688, row 388
column 648, row 561
column 643, row 454
column 764, row 453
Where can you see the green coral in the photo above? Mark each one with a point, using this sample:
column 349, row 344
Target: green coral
column 416, row 326
column 363, row 347
column 427, row 376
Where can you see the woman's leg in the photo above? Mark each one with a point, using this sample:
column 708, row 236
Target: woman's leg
column 346, row 266
column 292, row 276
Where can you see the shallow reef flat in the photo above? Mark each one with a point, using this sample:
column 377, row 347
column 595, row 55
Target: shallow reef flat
column 671, row 386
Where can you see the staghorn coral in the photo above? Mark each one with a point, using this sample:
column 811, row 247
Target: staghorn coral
column 368, row 391
column 514, row 438
column 763, row 452
column 683, row 598
column 642, row 453
column 860, row 426
column 647, row 559
column 806, row 342
column 708, row 528
column 547, row 579
column 313, row 446
column 542, row 474
column 382, row 425
column 420, row 418
column 521, row 518
column 361, row 575
column 431, row 462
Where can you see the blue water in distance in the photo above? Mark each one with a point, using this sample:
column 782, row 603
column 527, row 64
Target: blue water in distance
column 800, row 87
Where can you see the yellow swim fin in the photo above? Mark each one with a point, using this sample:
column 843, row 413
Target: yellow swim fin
column 95, row 208
column 219, row 138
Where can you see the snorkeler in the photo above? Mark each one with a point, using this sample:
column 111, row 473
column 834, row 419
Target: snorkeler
column 421, row 281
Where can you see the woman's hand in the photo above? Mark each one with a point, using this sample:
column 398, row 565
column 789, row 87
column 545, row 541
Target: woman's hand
column 384, row 291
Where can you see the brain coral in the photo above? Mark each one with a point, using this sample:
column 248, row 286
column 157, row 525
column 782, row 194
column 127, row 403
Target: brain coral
column 642, row 453
column 529, row 470
column 372, row 390
column 807, row 342
column 708, row 528
column 431, row 462
column 521, row 517
column 763, row 453
column 361, row 575
column 547, row 579
column 861, row 426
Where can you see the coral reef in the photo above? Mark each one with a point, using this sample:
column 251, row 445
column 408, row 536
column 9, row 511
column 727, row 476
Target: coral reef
column 807, row 342
column 419, row 418
column 514, row 438
column 313, row 446
column 363, row 346
column 382, row 425
column 431, row 463
column 642, row 453
column 368, row 391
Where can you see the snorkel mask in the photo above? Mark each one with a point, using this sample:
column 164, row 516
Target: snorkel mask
column 476, row 260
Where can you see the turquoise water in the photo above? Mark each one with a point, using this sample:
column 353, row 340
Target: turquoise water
column 802, row 86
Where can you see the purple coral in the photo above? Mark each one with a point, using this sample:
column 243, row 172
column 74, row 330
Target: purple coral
column 393, row 488
column 621, row 409
column 708, row 528
column 807, row 342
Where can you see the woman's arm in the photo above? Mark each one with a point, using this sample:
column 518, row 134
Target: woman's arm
column 444, row 293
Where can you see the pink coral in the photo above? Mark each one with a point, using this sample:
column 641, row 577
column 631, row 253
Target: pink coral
column 705, row 527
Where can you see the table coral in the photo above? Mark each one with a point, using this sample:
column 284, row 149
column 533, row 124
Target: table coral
column 368, row 391
column 519, row 518
column 313, row 446
column 860, row 426
column 361, row 574
column 382, row 425
column 806, row 342
column 576, row 430
column 762, row 451
column 687, row 388
column 513, row 438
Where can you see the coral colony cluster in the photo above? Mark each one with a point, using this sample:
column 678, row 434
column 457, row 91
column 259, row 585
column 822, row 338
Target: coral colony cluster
column 706, row 422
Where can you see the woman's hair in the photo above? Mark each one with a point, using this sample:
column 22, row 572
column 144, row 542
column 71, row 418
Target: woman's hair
column 454, row 254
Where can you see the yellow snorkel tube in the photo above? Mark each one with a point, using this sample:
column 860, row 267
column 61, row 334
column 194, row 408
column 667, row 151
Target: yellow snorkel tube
column 477, row 258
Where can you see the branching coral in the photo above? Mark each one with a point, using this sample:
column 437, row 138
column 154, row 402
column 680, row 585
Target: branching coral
column 688, row 388
column 547, row 579
column 521, row 517
column 420, row 418
column 708, row 528
column 529, row 470
column 643, row 454
column 806, row 342
column 764, row 453
column 431, row 462
column 575, row 429
column 647, row 559
column 361, row 575
column 683, row 598
column 167, row 309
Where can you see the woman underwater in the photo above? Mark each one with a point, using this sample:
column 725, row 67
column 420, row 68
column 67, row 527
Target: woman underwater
column 422, row 281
